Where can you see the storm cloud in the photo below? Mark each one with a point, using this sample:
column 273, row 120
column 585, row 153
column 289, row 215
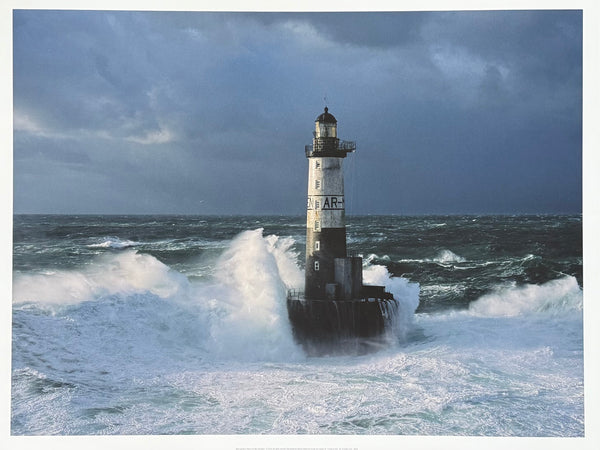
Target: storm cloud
column 208, row 113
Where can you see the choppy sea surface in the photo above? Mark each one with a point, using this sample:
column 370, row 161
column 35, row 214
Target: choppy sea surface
column 177, row 325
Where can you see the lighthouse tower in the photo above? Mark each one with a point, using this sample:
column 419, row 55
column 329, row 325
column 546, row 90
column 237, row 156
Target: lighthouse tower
column 335, row 304
column 325, row 209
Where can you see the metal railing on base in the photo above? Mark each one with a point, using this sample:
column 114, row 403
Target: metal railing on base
column 295, row 294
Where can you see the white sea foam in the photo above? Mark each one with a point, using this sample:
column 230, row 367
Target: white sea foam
column 373, row 256
column 114, row 243
column 446, row 289
column 443, row 257
column 241, row 308
column 446, row 256
column 553, row 297
column 125, row 273
column 140, row 349
column 405, row 292
column 253, row 276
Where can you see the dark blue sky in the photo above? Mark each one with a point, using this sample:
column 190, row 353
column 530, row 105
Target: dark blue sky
column 208, row 113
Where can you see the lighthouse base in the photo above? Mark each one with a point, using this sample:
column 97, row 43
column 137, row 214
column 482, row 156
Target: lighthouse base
column 341, row 326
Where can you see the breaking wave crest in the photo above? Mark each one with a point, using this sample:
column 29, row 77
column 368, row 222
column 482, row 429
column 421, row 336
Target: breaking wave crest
column 446, row 256
column 554, row 297
column 239, row 313
column 252, row 278
column 113, row 242
column 124, row 273
column 405, row 292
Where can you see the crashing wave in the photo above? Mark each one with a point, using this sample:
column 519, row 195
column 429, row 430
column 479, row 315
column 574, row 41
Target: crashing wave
column 114, row 243
column 554, row 297
column 446, row 257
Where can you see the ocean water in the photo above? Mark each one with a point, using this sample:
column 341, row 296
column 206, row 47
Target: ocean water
column 136, row 325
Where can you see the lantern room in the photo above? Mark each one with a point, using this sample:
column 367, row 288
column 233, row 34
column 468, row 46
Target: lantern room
column 326, row 125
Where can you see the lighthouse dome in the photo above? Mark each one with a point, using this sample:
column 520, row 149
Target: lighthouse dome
column 326, row 117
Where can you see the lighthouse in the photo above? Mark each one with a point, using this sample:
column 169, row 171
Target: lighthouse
column 325, row 208
column 335, row 306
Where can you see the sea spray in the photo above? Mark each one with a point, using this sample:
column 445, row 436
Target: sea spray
column 405, row 292
column 447, row 256
column 558, row 296
column 132, row 362
column 121, row 273
column 252, row 275
column 114, row 242
column 240, row 312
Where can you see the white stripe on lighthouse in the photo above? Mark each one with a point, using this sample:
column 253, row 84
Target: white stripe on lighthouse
column 325, row 205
